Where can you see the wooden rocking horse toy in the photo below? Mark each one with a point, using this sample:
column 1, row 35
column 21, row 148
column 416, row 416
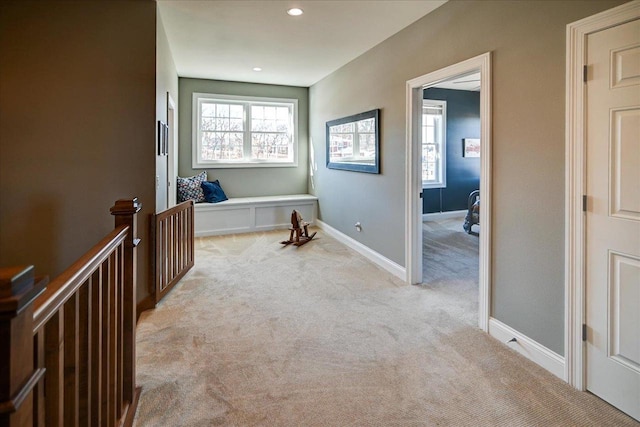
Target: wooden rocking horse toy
column 299, row 232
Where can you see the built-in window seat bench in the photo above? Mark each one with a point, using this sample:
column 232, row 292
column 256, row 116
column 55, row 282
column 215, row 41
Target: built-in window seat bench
column 246, row 214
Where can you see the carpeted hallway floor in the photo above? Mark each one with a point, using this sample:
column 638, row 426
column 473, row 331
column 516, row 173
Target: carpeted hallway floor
column 450, row 266
column 263, row 335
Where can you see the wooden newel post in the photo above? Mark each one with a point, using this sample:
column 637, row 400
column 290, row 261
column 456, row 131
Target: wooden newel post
column 18, row 289
column 125, row 212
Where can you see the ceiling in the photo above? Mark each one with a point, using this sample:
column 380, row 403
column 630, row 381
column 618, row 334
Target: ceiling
column 225, row 40
column 465, row 82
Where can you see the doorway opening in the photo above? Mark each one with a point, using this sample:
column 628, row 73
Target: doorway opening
column 422, row 119
column 450, row 160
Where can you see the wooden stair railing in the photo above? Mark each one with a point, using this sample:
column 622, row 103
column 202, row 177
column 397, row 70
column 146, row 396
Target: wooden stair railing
column 67, row 348
column 173, row 233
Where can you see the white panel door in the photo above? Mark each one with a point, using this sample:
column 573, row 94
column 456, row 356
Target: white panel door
column 613, row 216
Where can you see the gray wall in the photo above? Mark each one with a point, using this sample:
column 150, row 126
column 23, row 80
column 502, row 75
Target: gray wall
column 166, row 81
column 247, row 182
column 528, row 44
column 77, row 108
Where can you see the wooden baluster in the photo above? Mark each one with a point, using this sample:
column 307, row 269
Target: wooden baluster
column 180, row 243
column 96, row 348
column 168, row 259
column 85, row 319
column 170, row 238
column 175, row 245
column 39, row 363
column 164, row 236
column 18, row 289
column 119, row 329
column 191, row 233
column 104, row 356
column 54, row 363
column 125, row 212
column 71, row 356
column 111, row 336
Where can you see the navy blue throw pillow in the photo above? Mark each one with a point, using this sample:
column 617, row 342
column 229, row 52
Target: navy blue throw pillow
column 213, row 192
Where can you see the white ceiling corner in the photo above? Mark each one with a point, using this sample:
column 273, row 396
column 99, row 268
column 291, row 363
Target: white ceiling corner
column 226, row 39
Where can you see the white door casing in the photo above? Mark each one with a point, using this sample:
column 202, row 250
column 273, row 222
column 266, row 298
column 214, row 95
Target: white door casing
column 612, row 275
column 413, row 181
column 172, row 158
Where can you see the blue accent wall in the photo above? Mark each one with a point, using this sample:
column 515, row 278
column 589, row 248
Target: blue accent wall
column 463, row 173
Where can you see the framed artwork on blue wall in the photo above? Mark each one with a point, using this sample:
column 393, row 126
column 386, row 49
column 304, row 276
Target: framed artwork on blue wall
column 471, row 147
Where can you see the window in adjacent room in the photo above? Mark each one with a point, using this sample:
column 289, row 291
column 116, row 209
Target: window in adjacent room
column 434, row 115
column 238, row 131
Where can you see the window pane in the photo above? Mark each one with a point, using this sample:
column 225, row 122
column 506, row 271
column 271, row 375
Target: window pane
column 222, row 124
column 270, row 112
column 344, row 128
column 283, row 113
column 430, row 132
column 366, row 125
column 222, row 146
column 341, row 146
column 208, row 109
column 282, row 126
column 208, row 124
column 367, row 145
column 236, row 125
column 270, row 146
column 236, row 111
column 222, row 110
column 431, row 153
column 257, row 112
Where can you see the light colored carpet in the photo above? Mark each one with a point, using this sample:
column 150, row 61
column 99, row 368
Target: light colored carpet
column 263, row 335
column 450, row 266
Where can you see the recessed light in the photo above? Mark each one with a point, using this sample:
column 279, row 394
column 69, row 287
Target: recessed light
column 257, row 69
column 294, row 11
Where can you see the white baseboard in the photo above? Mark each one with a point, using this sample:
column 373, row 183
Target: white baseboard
column 442, row 215
column 529, row 348
column 380, row 260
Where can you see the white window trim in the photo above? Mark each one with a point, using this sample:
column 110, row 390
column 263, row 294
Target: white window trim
column 442, row 183
column 223, row 164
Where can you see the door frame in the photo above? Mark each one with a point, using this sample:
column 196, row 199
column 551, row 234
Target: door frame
column 172, row 158
column 575, row 182
column 413, row 179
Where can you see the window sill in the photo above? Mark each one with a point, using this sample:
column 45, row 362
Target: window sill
column 243, row 165
column 433, row 186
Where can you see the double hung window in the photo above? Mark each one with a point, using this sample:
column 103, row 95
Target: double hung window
column 235, row 131
column 434, row 115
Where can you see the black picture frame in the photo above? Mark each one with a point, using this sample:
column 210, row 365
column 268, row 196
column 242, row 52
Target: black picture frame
column 163, row 138
column 368, row 164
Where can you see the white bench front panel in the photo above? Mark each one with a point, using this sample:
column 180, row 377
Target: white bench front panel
column 270, row 217
column 248, row 214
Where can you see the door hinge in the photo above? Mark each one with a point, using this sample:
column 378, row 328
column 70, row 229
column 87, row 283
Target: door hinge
column 584, row 202
column 585, row 73
column 584, row 332
column 421, row 195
